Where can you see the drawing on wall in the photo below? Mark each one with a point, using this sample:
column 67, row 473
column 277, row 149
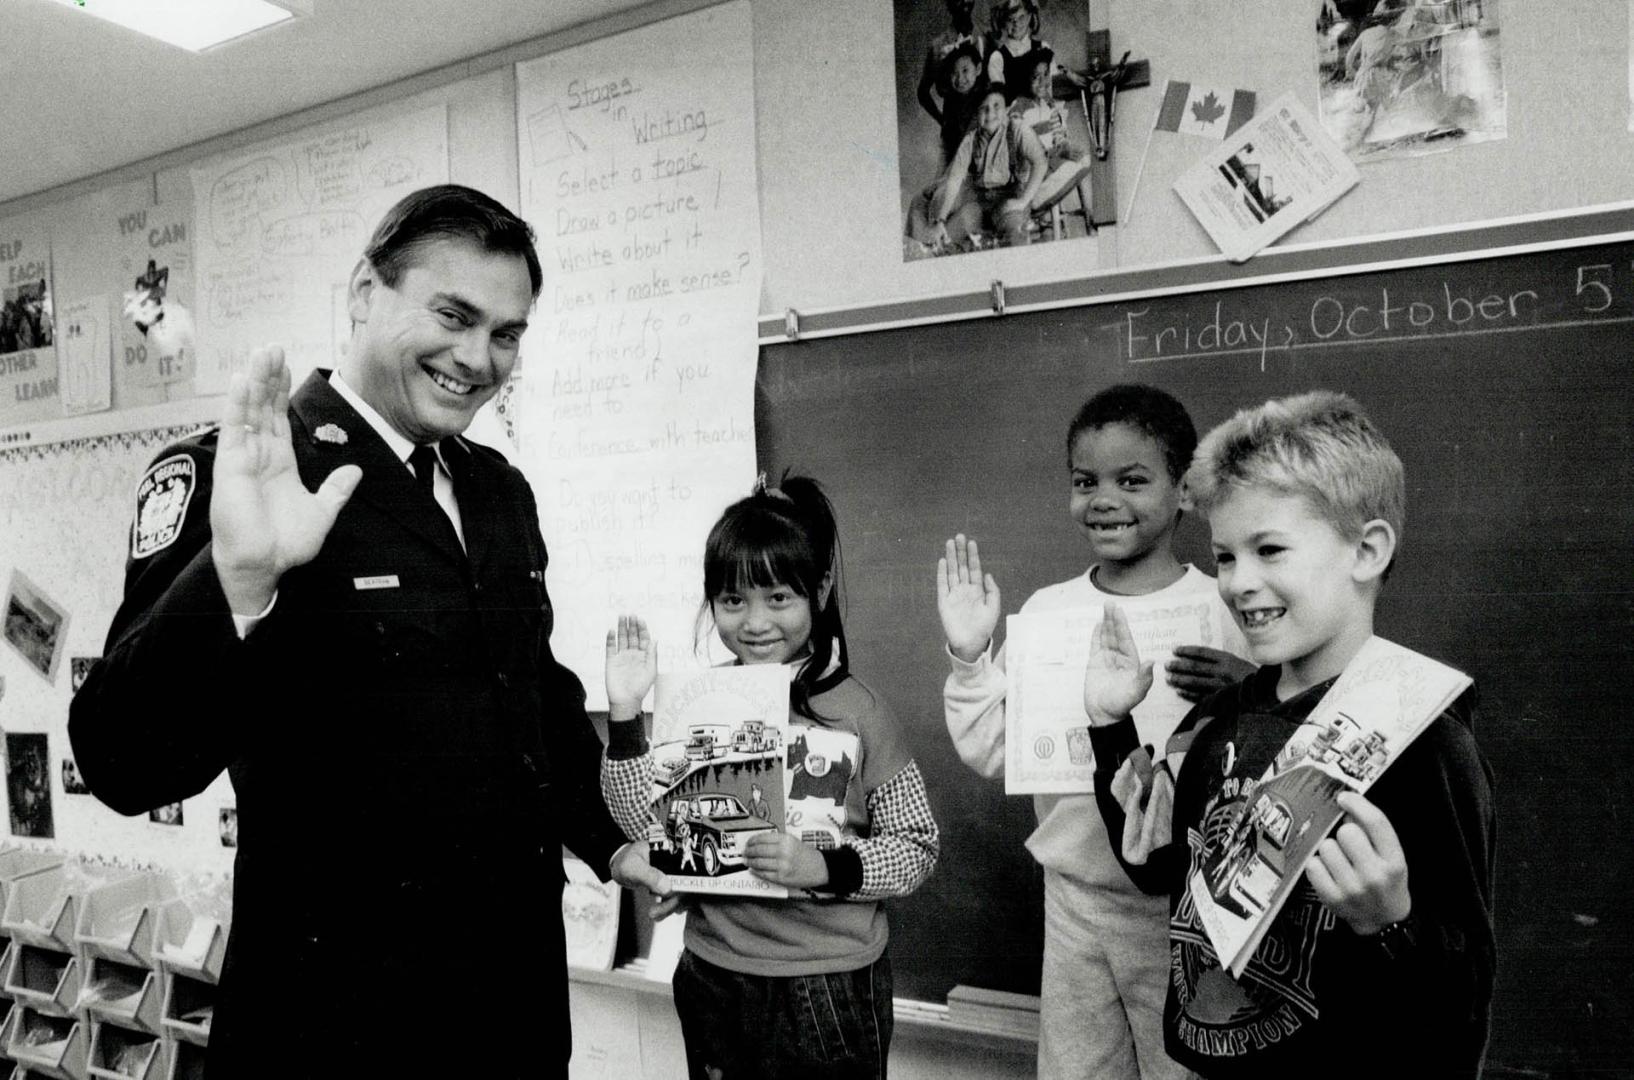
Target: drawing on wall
column 165, row 324
column 78, row 668
column 169, row 814
column 1400, row 78
column 28, row 785
column 72, row 782
column 589, row 916
column 35, row 626
column 993, row 146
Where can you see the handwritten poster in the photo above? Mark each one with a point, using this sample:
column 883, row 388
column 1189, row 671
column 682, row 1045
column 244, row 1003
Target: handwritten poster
column 636, row 393
column 28, row 353
column 281, row 226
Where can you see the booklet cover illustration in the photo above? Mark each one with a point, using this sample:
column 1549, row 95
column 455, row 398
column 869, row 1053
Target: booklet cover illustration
column 719, row 742
column 1245, row 871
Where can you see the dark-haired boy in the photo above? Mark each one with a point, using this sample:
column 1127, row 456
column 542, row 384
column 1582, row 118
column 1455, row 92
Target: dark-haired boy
column 1381, row 962
column 1105, row 944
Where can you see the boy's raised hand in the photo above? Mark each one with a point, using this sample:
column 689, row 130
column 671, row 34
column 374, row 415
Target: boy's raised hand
column 1197, row 671
column 632, row 666
column 1116, row 679
column 966, row 598
column 1360, row 872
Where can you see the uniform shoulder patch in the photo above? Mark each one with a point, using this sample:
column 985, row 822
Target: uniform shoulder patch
column 162, row 498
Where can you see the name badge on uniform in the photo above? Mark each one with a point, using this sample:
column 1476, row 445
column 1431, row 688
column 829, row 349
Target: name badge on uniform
column 379, row 581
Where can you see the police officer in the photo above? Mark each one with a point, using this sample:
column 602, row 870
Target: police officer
column 340, row 600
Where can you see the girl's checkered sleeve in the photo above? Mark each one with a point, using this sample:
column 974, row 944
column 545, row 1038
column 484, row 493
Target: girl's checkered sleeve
column 900, row 851
column 626, row 787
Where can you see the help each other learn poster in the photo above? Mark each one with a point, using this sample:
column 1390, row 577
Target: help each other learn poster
column 1046, row 738
column 719, row 736
column 636, row 389
column 29, row 387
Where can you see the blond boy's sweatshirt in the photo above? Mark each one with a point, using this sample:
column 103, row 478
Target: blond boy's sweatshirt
column 1071, row 838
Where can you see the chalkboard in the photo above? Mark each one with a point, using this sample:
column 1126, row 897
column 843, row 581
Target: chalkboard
column 1507, row 386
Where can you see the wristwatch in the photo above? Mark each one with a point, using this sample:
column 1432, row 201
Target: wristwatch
column 1395, row 940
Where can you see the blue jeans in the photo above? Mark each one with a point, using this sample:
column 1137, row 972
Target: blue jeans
column 796, row 1027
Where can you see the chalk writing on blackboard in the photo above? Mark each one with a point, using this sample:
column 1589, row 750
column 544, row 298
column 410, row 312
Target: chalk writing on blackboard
column 1445, row 307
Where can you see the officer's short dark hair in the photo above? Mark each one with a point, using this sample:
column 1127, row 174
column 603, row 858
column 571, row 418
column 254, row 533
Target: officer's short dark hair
column 444, row 212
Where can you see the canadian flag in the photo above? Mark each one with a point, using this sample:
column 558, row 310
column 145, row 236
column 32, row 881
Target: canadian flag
column 1211, row 111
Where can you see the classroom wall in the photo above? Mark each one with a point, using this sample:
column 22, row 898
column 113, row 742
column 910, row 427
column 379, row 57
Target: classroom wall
column 825, row 88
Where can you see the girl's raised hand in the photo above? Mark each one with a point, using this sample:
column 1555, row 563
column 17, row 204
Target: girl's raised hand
column 1116, row 679
column 783, row 860
column 632, row 665
column 966, row 598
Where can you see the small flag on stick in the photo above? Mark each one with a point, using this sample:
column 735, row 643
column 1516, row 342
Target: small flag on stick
column 1195, row 109
column 1210, row 111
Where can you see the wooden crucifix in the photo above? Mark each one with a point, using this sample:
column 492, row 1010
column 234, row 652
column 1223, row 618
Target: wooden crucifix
column 1098, row 86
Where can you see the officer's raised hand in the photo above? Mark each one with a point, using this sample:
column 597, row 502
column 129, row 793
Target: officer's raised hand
column 263, row 521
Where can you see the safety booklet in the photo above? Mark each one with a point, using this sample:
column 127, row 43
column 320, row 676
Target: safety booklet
column 718, row 743
column 1385, row 698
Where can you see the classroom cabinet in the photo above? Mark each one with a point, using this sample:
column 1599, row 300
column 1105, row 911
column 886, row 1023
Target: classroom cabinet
column 111, row 979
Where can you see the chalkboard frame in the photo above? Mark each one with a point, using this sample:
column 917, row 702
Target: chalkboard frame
column 1539, row 232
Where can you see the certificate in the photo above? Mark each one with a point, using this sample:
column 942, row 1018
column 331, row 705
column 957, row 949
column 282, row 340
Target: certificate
column 1046, row 737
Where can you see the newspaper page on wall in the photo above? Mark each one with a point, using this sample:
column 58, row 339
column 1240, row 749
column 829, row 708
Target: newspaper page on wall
column 1276, row 171
column 1046, row 738
column 718, row 740
column 1386, row 697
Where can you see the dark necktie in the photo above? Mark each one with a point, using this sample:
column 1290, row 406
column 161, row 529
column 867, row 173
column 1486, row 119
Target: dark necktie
column 424, row 463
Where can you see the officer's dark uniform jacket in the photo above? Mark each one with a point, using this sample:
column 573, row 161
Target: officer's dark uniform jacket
column 407, row 757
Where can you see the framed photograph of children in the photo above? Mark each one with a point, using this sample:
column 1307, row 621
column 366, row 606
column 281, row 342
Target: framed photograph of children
column 35, row 626
column 1399, row 78
column 993, row 149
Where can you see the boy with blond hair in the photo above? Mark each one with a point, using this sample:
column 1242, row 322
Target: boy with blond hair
column 1381, row 961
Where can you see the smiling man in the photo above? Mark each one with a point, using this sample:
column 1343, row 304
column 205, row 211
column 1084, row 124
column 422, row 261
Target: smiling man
column 340, row 600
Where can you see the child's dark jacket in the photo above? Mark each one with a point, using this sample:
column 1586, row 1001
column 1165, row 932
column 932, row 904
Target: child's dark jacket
column 1316, row 999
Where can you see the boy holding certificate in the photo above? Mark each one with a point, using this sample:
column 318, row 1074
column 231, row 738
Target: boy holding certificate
column 1377, row 954
column 1105, row 943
